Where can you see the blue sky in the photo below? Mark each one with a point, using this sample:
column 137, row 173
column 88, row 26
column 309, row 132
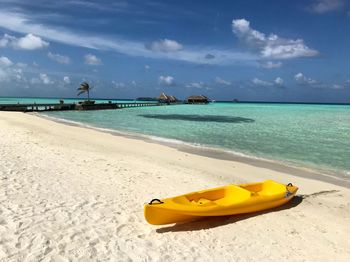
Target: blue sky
column 250, row 50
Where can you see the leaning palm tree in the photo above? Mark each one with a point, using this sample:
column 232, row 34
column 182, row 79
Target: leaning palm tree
column 84, row 87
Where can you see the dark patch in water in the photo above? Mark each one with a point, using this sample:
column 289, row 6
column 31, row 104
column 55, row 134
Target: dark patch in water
column 201, row 118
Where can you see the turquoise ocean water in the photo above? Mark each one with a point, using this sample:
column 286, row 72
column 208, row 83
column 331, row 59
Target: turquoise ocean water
column 313, row 136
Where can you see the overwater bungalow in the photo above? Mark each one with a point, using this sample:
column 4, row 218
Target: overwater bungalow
column 164, row 98
column 197, row 99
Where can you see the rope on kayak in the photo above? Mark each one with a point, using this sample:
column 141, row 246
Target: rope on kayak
column 156, row 200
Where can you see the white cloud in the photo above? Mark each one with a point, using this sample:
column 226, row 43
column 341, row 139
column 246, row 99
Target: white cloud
column 221, row 81
column 337, row 87
column 22, row 23
column 92, row 60
column 111, row 7
column 147, row 67
column 279, row 81
column 118, row 85
column 11, row 73
column 4, row 41
column 165, row 45
column 59, row 58
column 8, row 41
column 270, row 65
column 166, row 80
column 3, row 75
column 66, row 80
column 271, row 46
column 22, row 65
column 259, row 82
column 196, row 85
column 45, row 79
column 28, row 42
column 31, row 42
column 324, row 6
column 18, row 75
column 303, row 80
column 5, row 62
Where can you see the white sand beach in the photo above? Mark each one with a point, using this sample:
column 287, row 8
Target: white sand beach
column 69, row 193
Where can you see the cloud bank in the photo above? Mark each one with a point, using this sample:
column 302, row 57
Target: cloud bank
column 270, row 65
column 303, row 80
column 165, row 45
column 5, row 62
column 221, row 81
column 61, row 59
column 166, row 80
column 198, row 85
column 278, row 82
column 163, row 49
column 324, row 6
column 66, row 80
column 90, row 59
column 270, row 46
column 28, row 42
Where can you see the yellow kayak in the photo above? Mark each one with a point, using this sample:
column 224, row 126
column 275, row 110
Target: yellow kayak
column 221, row 201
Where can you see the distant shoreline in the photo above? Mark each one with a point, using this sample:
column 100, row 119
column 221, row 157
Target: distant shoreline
column 216, row 101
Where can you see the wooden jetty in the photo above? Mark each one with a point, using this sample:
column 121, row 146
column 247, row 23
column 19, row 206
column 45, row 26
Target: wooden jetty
column 73, row 106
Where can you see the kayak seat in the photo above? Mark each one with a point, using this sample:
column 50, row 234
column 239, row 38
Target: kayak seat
column 233, row 195
column 270, row 188
column 224, row 196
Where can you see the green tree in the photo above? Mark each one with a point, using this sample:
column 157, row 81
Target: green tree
column 84, row 87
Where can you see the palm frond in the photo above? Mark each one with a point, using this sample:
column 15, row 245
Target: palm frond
column 84, row 84
column 84, row 87
column 83, row 91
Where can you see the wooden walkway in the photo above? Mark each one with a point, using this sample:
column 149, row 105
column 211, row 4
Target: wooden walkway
column 61, row 107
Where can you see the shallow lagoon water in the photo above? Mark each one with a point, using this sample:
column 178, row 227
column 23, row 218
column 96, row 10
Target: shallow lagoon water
column 313, row 136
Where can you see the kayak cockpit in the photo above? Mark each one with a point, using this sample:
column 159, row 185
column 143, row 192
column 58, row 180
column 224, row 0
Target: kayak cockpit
column 224, row 196
column 230, row 195
column 267, row 188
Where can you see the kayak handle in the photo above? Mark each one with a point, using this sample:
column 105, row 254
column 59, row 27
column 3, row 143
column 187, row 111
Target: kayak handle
column 288, row 193
column 156, row 200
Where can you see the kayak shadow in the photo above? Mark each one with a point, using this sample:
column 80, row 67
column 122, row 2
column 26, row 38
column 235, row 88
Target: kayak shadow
column 212, row 222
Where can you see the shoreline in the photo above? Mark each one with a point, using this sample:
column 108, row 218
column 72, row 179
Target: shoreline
column 328, row 176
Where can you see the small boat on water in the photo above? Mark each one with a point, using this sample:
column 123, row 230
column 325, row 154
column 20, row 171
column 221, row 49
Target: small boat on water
column 221, row 201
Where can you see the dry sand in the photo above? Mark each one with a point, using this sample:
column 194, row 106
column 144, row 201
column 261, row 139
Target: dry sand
column 74, row 194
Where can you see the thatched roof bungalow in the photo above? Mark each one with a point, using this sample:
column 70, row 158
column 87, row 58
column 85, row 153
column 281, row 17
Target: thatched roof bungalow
column 166, row 98
column 201, row 99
